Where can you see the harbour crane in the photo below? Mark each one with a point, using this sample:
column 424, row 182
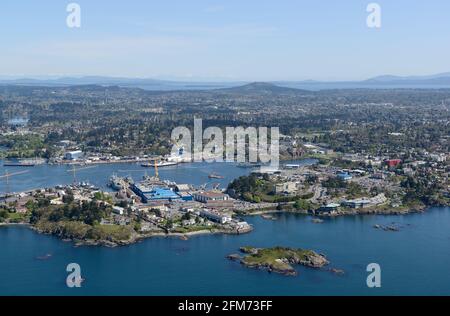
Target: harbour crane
column 7, row 175
column 74, row 171
column 156, row 169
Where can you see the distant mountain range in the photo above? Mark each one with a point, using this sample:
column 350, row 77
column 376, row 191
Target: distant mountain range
column 443, row 78
column 261, row 88
column 381, row 82
column 143, row 83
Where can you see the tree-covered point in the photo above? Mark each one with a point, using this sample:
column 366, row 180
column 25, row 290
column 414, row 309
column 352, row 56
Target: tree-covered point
column 424, row 188
column 337, row 186
column 260, row 188
column 89, row 213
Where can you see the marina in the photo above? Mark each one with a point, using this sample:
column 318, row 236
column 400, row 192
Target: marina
column 48, row 175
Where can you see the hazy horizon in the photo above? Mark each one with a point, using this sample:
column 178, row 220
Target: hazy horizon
column 199, row 80
column 225, row 40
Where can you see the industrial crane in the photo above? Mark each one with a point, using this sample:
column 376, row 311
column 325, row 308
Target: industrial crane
column 74, row 170
column 7, row 175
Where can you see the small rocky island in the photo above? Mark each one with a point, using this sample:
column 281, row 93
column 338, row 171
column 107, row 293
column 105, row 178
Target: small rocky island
column 279, row 259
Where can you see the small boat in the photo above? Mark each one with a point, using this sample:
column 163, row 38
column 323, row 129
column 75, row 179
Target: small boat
column 215, row 176
column 86, row 185
column 45, row 257
column 269, row 217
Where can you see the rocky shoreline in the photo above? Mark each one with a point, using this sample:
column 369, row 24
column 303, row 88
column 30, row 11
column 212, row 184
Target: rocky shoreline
column 347, row 212
column 374, row 211
column 134, row 238
column 267, row 214
column 279, row 259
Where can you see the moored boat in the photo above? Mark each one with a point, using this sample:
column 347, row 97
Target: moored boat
column 160, row 164
column 215, row 176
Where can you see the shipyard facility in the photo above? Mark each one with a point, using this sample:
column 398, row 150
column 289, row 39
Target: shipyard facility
column 157, row 202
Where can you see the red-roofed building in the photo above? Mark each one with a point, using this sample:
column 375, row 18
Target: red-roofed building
column 393, row 162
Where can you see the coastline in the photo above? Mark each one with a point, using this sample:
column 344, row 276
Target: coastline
column 15, row 224
column 135, row 238
column 346, row 212
column 211, row 250
column 138, row 237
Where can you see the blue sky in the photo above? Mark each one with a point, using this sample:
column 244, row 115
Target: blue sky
column 225, row 40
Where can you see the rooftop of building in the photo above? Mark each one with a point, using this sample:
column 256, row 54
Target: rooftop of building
column 161, row 193
column 211, row 194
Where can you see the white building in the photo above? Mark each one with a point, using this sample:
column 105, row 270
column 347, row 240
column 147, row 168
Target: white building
column 118, row 210
column 205, row 197
column 73, row 155
column 215, row 216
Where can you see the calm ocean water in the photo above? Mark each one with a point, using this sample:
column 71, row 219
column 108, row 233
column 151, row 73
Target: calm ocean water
column 51, row 175
column 415, row 260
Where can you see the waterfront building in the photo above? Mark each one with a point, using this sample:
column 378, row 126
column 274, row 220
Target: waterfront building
column 155, row 193
column 73, row 155
column 207, row 196
column 357, row 203
column 216, row 216
column 160, row 194
column 330, row 208
column 364, row 202
column 215, row 200
column 185, row 196
column 182, row 187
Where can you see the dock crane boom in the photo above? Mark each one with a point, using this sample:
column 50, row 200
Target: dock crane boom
column 7, row 175
column 74, row 170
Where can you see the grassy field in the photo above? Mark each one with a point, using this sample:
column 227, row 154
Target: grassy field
column 18, row 217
